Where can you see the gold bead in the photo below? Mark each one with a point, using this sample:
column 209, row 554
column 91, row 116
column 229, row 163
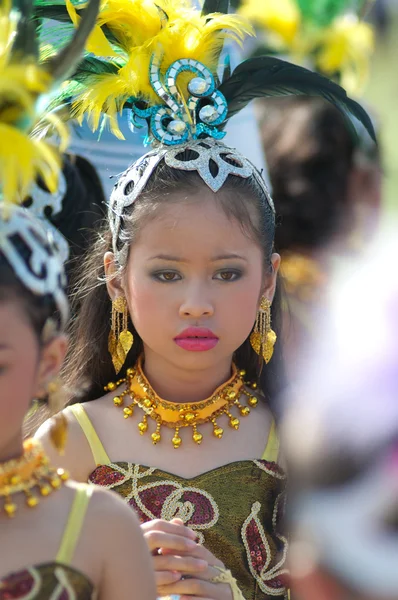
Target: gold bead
column 189, row 417
column 10, row 509
column 147, row 403
column 32, row 501
column 15, row 479
column 176, row 441
column 143, row 427
column 62, row 474
column 45, row 490
column 242, row 372
column 117, row 401
column 253, row 385
column 130, row 371
column 231, row 395
column 253, row 401
column 234, row 423
column 56, row 483
column 110, row 387
column 128, row 411
column 197, row 437
column 155, row 438
column 244, row 411
column 218, row 432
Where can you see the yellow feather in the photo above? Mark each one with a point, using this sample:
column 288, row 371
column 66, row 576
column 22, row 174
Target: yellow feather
column 171, row 29
column 24, row 155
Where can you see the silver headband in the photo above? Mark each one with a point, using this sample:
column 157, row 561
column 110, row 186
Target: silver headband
column 41, row 269
column 206, row 152
column 40, row 200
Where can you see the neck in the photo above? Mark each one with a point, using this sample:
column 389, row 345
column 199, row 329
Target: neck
column 13, row 449
column 177, row 385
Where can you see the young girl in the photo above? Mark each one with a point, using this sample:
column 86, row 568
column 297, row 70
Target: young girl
column 47, row 547
column 58, row 539
column 176, row 299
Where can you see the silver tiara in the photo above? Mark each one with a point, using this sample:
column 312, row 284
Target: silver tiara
column 205, row 153
column 29, row 250
column 40, row 200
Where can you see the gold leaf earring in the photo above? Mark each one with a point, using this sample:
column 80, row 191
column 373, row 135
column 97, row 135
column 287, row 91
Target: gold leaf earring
column 263, row 337
column 59, row 426
column 120, row 338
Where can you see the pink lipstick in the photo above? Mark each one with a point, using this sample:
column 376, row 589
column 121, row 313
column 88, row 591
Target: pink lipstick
column 196, row 339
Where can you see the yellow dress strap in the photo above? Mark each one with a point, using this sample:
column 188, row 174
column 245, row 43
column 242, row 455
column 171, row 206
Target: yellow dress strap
column 271, row 451
column 98, row 450
column 74, row 525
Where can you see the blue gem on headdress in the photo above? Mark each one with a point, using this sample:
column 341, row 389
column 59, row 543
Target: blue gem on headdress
column 177, row 120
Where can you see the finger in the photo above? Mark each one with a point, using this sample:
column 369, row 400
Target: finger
column 163, row 578
column 201, row 553
column 167, row 542
column 195, row 587
column 169, row 527
column 182, row 564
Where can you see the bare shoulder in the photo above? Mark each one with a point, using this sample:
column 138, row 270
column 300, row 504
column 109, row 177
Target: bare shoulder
column 77, row 458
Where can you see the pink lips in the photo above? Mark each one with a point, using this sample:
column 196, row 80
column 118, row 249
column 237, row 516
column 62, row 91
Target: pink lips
column 196, row 339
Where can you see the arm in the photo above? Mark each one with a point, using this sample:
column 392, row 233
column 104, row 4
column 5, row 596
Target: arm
column 77, row 458
column 127, row 565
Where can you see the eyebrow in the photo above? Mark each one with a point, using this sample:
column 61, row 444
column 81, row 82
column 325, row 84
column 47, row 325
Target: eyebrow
column 181, row 260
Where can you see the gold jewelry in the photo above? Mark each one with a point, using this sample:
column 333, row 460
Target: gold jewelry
column 226, row 576
column 59, row 425
column 31, row 470
column 175, row 415
column 263, row 337
column 120, row 338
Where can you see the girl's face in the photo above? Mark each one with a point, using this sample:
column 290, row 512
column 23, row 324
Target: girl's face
column 25, row 370
column 193, row 284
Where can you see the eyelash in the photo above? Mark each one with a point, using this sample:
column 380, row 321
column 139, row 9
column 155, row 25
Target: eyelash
column 236, row 275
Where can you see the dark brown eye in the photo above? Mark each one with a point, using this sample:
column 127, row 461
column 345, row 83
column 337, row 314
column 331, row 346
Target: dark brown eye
column 228, row 275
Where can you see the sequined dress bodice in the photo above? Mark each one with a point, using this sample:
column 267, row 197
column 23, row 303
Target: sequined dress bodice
column 235, row 509
column 46, row 582
column 55, row 580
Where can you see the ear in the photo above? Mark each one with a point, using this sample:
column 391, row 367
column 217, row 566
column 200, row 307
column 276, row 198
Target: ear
column 51, row 360
column 269, row 285
column 113, row 279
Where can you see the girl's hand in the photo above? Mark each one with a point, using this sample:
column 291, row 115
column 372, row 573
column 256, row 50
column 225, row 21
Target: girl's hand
column 174, row 550
column 199, row 584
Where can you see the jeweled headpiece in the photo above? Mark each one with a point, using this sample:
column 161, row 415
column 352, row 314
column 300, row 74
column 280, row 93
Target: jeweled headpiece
column 160, row 61
column 30, row 252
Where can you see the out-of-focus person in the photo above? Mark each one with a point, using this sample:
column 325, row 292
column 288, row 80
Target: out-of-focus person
column 327, row 188
column 326, row 178
column 341, row 440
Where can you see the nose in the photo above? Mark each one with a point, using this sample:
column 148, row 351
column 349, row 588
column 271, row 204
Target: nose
column 197, row 303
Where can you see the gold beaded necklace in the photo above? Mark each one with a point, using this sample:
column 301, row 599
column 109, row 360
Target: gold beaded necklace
column 24, row 474
column 190, row 414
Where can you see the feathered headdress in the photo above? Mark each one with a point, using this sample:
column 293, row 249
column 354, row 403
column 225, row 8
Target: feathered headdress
column 329, row 36
column 161, row 61
column 24, row 85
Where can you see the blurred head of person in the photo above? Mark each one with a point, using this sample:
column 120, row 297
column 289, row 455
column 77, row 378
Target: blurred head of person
column 326, row 184
column 341, row 438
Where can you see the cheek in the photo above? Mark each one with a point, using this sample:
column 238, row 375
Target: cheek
column 17, row 390
column 149, row 303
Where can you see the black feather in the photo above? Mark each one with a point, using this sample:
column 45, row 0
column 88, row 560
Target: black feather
column 265, row 76
column 43, row 9
column 65, row 62
column 90, row 65
column 215, row 6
